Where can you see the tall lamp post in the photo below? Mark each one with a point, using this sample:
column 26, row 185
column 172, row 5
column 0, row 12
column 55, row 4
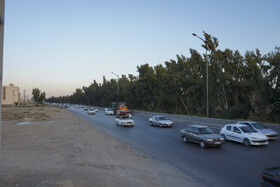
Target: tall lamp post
column 207, row 96
column 2, row 9
column 118, row 86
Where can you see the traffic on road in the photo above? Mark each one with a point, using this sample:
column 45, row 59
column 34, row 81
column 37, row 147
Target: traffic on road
column 225, row 161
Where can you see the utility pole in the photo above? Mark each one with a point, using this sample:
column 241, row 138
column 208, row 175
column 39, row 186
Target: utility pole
column 118, row 86
column 206, row 61
column 24, row 92
column 2, row 8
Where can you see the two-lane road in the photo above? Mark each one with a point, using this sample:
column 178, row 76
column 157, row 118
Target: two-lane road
column 231, row 165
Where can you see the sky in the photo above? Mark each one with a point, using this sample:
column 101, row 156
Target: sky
column 61, row 45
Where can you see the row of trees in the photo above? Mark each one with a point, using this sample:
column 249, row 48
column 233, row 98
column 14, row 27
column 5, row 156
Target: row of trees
column 239, row 86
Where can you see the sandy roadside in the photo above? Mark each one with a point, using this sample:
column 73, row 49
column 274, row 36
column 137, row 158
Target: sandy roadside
column 49, row 146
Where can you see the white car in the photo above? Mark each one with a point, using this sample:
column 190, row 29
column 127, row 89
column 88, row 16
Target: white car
column 91, row 111
column 160, row 121
column 124, row 120
column 243, row 134
column 109, row 111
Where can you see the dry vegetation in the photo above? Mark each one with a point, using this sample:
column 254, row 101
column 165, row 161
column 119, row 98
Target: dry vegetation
column 29, row 113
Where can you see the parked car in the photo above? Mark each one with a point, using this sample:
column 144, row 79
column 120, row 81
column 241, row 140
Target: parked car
column 109, row 111
column 202, row 135
column 91, row 111
column 243, row 134
column 271, row 177
column 160, row 121
column 261, row 128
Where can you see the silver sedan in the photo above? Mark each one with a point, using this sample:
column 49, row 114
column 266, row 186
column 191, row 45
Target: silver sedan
column 160, row 121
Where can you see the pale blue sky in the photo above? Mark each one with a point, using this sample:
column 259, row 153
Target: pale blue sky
column 61, row 45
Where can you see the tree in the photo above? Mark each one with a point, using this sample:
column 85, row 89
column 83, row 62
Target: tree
column 38, row 96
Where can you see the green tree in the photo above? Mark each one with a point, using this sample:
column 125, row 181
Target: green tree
column 38, row 96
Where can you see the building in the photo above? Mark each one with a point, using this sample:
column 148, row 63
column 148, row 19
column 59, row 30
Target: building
column 10, row 95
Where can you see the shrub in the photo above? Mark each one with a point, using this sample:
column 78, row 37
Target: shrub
column 238, row 112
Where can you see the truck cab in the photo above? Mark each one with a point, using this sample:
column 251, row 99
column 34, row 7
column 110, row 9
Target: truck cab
column 122, row 106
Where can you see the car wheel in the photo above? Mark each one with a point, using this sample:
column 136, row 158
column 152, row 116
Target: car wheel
column 151, row 123
column 224, row 137
column 202, row 144
column 246, row 142
column 185, row 139
column 117, row 123
column 160, row 125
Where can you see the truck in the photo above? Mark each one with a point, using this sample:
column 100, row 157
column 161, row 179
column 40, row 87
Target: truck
column 120, row 107
column 114, row 106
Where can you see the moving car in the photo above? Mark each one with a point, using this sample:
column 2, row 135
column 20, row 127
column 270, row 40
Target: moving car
column 86, row 107
column 124, row 119
column 271, row 177
column 261, row 128
column 109, row 111
column 160, row 121
column 91, row 111
column 202, row 135
column 243, row 134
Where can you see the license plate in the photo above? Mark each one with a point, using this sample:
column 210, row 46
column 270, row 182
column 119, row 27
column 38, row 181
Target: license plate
column 217, row 142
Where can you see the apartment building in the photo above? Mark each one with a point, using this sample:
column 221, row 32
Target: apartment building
column 10, row 95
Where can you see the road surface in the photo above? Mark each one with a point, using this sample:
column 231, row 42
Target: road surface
column 231, row 165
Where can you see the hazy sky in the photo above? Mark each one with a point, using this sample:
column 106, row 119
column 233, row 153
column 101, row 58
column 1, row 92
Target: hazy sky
column 61, row 45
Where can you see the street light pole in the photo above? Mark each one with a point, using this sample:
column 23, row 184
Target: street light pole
column 118, row 86
column 2, row 9
column 206, row 61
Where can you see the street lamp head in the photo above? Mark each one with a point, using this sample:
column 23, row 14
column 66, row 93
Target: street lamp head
column 194, row 34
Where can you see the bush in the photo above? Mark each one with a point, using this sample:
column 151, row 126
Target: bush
column 238, row 112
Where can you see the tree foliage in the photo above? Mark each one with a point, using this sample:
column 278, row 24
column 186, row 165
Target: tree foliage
column 239, row 86
column 38, row 96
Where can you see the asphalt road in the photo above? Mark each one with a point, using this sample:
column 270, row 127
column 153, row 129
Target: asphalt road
column 233, row 164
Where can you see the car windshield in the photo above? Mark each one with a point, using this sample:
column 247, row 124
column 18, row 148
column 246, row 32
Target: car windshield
column 247, row 129
column 259, row 126
column 205, row 130
column 162, row 118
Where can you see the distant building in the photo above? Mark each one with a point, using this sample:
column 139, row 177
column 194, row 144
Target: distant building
column 10, row 95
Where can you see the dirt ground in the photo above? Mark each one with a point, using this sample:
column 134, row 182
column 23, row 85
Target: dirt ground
column 49, row 146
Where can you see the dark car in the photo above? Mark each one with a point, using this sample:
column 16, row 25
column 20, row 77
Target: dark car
column 202, row 135
column 271, row 177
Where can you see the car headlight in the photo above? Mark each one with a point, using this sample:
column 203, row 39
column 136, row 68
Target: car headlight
column 210, row 140
column 255, row 138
